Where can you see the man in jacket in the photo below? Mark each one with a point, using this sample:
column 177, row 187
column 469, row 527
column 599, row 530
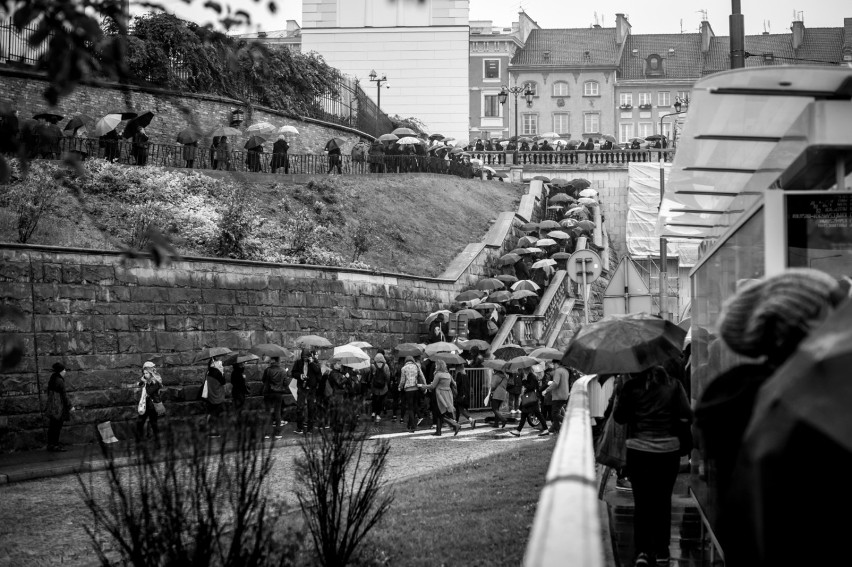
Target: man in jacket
column 558, row 390
column 308, row 374
column 275, row 382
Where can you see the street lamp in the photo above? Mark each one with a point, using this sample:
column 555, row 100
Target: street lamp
column 374, row 78
column 516, row 90
column 664, row 256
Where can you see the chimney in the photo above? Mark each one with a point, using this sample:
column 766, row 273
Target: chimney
column 798, row 28
column 622, row 29
column 706, row 35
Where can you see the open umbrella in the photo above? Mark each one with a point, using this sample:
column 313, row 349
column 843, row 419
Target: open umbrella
column 209, row 353
column 544, row 263
column 494, row 363
column 520, row 362
column 349, row 355
column 561, row 256
column 106, row 124
column 435, row 348
column 239, row 358
column 654, row 137
column 522, row 293
column 408, row 349
column 487, row 305
column 469, row 313
column 520, row 251
column 409, row 141
column 588, row 193
column 580, row 183
column 436, row 137
column 432, row 316
column 478, row 343
column 529, row 226
column 78, row 122
column 188, row 136
column 587, row 201
column 527, row 241
column 549, row 225
column 253, row 142
column 549, row 135
column 555, row 208
column 48, row 117
column 546, row 353
column 287, row 129
column 456, row 151
column 619, row 344
column 586, row 225
column 448, row 357
column 388, row 138
column 470, row 294
column 541, row 178
column 508, row 260
column 313, row 341
column 560, row 198
column 360, row 344
column 525, row 284
column 508, row 352
column 225, row 131
column 640, row 140
column 141, row 121
column 568, row 223
column 500, row 296
column 534, row 250
column 506, row 278
column 546, row 242
column 334, row 143
column 270, row 350
column 609, row 138
column 558, row 235
column 489, row 284
column 261, row 128
column 404, row 132
column 559, row 181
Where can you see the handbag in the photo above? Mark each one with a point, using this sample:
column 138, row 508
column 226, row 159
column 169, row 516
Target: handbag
column 612, row 447
column 529, row 401
column 454, row 389
column 160, row 408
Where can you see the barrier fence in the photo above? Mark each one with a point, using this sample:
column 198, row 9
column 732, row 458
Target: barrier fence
column 480, row 385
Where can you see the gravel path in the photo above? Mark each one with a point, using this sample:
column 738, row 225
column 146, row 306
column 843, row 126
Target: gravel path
column 43, row 522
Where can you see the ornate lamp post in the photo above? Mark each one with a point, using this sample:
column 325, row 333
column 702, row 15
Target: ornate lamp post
column 374, row 78
column 516, row 90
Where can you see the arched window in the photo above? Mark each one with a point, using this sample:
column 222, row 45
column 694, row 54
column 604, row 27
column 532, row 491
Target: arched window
column 560, row 88
column 591, row 88
column 531, row 86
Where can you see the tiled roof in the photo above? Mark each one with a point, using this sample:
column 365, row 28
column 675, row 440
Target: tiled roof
column 820, row 46
column 568, row 47
column 684, row 63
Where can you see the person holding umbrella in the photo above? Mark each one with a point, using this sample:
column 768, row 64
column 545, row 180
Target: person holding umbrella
column 109, row 142
column 140, row 146
column 442, row 385
column 335, row 158
column 275, row 384
column 215, row 402
column 255, row 150
column 223, row 154
column 279, row 155
column 530, row 406
column 149, row 399
column 308, row 375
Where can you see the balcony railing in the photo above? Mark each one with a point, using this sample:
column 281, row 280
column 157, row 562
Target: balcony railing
column 592, row 157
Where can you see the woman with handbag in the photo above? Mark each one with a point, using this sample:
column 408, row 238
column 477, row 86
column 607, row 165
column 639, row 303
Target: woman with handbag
column 497, row 396
column 653, row 405
column 150, row 406
column 441, row 386
column 58, row 407
column 529, row 404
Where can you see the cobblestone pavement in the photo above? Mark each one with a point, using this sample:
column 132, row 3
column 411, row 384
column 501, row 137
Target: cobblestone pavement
column 42, row 522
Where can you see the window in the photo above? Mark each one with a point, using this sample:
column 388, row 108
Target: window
column 625, row 132
column 490, row 68
column 531, row 86
column 490, row 105
column 591, row 88
column 625, row 99
column 591, row 122
column 561, row 122
column 560, row 88
column 667, row 129
column 664, row 99
column 530, row 125
column 644, row 98
column 646, row 129
column 683, row 95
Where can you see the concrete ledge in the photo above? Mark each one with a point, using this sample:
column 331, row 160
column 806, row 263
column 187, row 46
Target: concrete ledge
column 496, row 235
column 461, row 262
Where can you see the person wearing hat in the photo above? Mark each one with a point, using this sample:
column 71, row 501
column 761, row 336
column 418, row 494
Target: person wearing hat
column 58, row 408
column 766, row 321
column 150, row 386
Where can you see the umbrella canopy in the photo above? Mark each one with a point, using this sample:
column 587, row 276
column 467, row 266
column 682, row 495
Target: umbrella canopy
column 478, row 343
column 555, row 208
column 640, row 140
column 507, row 279
column 313, row 341
column 580, row 183
column 568, row 223
column 254, row 142
column 619, row 344
column 334, row 143
column 436, row 137
column 560, row 198
column 534, row 250
column 508, row 260
column 432, row 316
column 456, row 151
column 469, row 313
column 261, row 128
column 525, row 284
column 500, row 296
column 609, row 138
column 349, row 355
column 225, row 131
column 654, row 137
column 559, row 181
column 485, row 306
column 508, row 352
column 48, row 117
column 409, row 141
column 287, row 129
column 239, row 358
column 188, row 136
column 561, row 256
column 586, row 225
column 209, row 353
column 546, row 242
column 448, row 357
column 78, row 122
column 521, row 251
column 404, row 132
column 544, row 263
column 546, row 353
column 558, row 235
column 522, row 293
column 494, row 363
column 490, row 284
column 529, row 226
column 549, row 135
column 588, row 193
column 106, row 124
column 587, row 201
column 470, row 294
column 388, row 138
column 521, row 362
column 573, row 143
column 549, row 225
column 442, row 346
column 360, row 344
column 540, row 177
column 141, row 121
column 408, row 349
column 527, row 241
column 270, row 350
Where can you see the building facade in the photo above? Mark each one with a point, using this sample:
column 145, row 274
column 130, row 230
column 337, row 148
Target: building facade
column 421, row 47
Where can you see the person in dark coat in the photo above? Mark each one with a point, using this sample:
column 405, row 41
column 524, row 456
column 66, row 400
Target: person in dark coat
column 150, row 386
column 223, row 154
column 253, row 160
column 525, row 147
column 190, row 150
column 308, row 375
column 530, row 387
column 479, row 146
column 335, row 160
column 279, row 155
column 590, row 145
column 275, row 386
column 140, row 146
column 436, row 329
column 635, row 145
column 214, row 150
column 521, row 271
column 58, row 407
column 215, row 401
column 377, row 157
column 239, row 390
column 462, row 397
column 9, row 128
column 109, row 142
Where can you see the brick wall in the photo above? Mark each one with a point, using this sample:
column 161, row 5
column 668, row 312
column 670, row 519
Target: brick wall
column 174, row 111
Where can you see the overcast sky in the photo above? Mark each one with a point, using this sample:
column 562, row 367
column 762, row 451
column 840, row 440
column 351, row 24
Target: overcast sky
column 646, row 16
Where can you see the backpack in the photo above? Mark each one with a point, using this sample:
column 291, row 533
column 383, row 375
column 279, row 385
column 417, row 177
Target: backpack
column 380, row 378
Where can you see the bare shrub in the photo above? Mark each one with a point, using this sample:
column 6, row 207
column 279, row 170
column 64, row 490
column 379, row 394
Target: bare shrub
column 240, row 220
column 32, row 197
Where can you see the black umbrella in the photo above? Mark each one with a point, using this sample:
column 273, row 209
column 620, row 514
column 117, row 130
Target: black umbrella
column 653, row 137
column 211, row 352
column 254, row 142
column 49, row 117
column 188, row 136
column 408, row 349
column 437, row 137
column 270, row 350
column 334, row 144
column 125, row 115
column 143, row 120
column 78, row 122
column 508, row 352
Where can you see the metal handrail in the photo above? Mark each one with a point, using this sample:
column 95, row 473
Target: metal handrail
column 567, row 526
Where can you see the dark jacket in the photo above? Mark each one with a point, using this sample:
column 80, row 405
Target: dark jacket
column 275, row 380
column 651, row 411
column 56, row 388
column 313, row 375
column 215, row 386
column 238, row 382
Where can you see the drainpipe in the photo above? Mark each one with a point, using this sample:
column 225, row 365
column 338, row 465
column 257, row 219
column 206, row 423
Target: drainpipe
column 737, row 30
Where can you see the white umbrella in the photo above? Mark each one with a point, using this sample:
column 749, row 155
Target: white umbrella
column 349, row 355
column 435, row 348
column 288, row 130
column 588, row 193
column 360, row 344
column 550, row 135
column 534, row 250
column 545, row 242
column 260, row 127
column 544, row 263
column 409, row 140
column 587, row 201
column 106, row 124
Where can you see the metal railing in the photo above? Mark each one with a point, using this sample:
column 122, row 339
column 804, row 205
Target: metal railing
column 567, row 527
column 551, row 302
column 480, row 385
column 592, row 157
column 190, row 157
column 489, row 158
column 15, row 46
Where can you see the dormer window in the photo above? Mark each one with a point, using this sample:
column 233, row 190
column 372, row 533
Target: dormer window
column 654, row 65
column 546, row 55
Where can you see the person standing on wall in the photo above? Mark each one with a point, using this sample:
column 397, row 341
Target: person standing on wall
column 308, row 375
column 58, row 409
column 559, row 390
column 149, row 400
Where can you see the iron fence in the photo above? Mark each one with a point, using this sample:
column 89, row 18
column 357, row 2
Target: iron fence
column 480, row 384
column 592, row 157
column 15, row 47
